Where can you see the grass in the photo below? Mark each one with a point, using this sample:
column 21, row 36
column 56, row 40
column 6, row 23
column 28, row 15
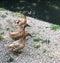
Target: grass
column 10, row 59
column 3, row 16
column 50, row 57
column 37, row 46
column 0, row 26
column 36, row 39
column 1, row 38
column 45, row 41
column 1, row 33
column 55, row 27
column 33, row 33
column 7, row 29
column 19, row 14
column 2, row 9
column 44, row 50
column 42, row 41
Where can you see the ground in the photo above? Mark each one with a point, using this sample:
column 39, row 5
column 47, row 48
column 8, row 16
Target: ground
column 44, row 47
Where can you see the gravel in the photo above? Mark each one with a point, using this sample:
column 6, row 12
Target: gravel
column 46, row 53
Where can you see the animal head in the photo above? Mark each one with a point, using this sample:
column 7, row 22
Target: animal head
column 18, row 21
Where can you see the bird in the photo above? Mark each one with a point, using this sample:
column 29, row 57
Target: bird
column 17, row 35
column 16, row 46
column 22, row 24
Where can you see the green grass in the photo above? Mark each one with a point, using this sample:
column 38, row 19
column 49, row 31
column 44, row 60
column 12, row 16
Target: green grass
column 45, row 41
column 55, row 27
column 3, row 16
column 19, row 14
column 2, row 9
column 7, row 29
column 10, row 59
column 41, row 40
column 1, row 38
column 44, row 50
column 37, row 46
column 33, row 33
column 36, row 39
column 0, row 26
column 1, row 33
column 50, row 57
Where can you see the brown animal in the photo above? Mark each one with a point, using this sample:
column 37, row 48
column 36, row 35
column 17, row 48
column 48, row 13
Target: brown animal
column 16, row 46
column 22, row 23
column 17, row 35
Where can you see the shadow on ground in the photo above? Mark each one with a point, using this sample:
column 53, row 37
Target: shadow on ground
column 47, row 10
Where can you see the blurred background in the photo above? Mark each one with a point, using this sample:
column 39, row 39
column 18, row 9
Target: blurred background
column 47, row 10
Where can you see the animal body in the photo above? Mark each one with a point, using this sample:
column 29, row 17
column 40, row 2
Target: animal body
column 16, row 46
column 19, row 34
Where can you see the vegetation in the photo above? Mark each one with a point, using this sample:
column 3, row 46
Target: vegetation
column 10, row 59
column 37, row 46
column 7, row 29
column 1, row 33
column 0, row 26
column 1, row 38
column 19, row 14
column 3, row 16
column 2, row 9
column 45, row 41
column 36, row 39
column 44, row 50
column 42, row 41
column 55, row 27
